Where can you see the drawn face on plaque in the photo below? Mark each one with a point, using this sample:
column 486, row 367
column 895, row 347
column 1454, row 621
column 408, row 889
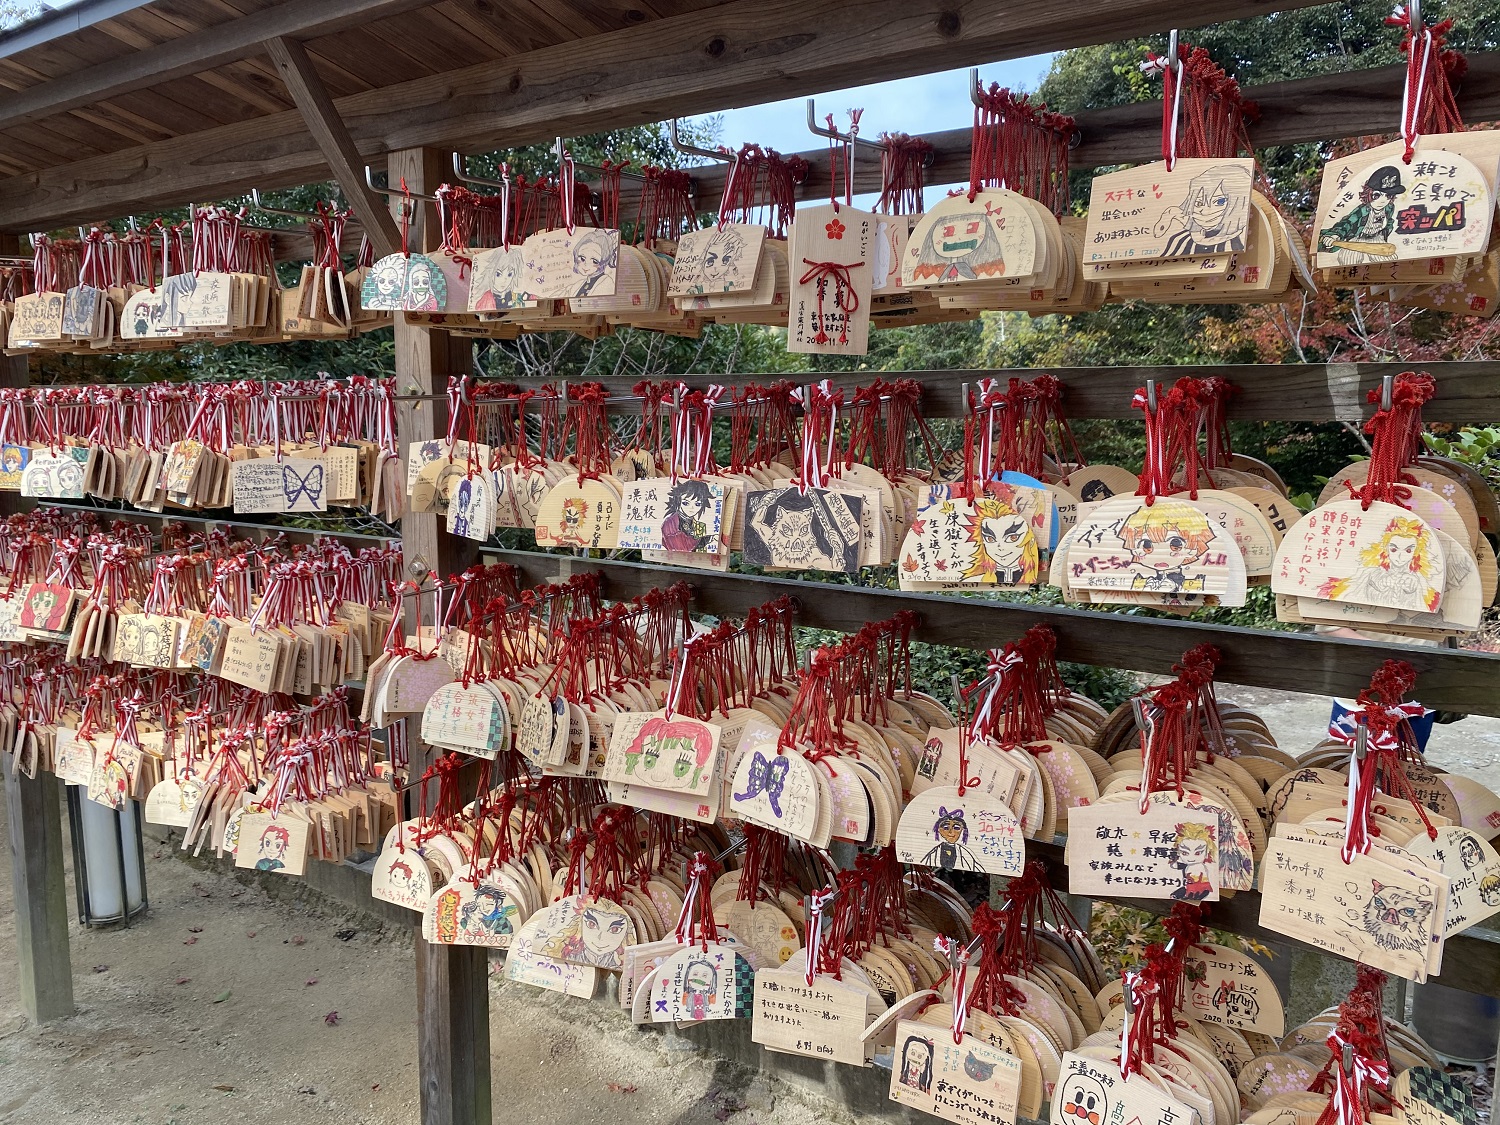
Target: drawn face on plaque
column 670, row 754
column 270, row 849
column 1397, row 570
column 1164, row 544
column 594, row 254
column 961, row 245
column 425, row 286
column 1195, row 852
column 1082, row 1099
column 506, row 266
column 916, row 1064
column 1005, row 550
column 1397, row 918
column 724, row 259
column 490, row 913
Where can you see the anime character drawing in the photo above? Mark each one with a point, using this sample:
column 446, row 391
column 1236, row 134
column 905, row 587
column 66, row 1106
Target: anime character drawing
column 421, row 291
column 1212, row 218
column 700, row 988
column 464, row 512
column 951, row 831
column 272, row 847
column 1195, row 850
column 686, row 747
column 1397, row 918
column 595, row 937
column 722, row 261
column 1164, row 542
column 1394, row 572
column 961, row 247
column 383, row 285
column 594, row 255
column 686, row 525
column 795, row 534
column 13, row 459
column 503, row 291
column 1236, row 1002
column 916, row 1064
column 1005, row 550
column 40, row 610
column 488, row 913
column 1470, row 854
column 1364, row 234
column 570, row 534
column 1489, row 890
column 70, row 479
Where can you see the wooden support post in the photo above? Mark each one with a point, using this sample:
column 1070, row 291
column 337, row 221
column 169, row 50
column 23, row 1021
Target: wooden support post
column 453, row 1009
column 338, row 148
column 33, row 813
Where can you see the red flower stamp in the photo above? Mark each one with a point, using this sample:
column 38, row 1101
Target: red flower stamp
column 835, row 229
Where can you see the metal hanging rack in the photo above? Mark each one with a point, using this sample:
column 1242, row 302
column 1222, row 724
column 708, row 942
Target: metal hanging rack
column 1075, row 138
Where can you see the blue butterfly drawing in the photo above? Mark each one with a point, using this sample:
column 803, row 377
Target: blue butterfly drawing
column 766, row 776
column 296, row 485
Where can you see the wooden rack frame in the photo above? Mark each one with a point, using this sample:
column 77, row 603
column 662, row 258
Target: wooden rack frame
column 202, row 105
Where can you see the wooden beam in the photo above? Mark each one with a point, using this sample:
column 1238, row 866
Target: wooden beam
column 322, row 120
column 1447, row 680
column 453, row 998
column 193, row 54
column 1467, row 391
column 736, row 54
column 1327, row 107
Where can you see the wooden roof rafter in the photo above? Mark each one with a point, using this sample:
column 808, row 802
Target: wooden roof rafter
column 699, row 61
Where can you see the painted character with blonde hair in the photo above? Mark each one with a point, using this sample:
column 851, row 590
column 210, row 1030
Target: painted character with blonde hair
column 1195, row 851
column 1213, row 218
column 1395, row 572
column 1005, row 550
column 1163, row 542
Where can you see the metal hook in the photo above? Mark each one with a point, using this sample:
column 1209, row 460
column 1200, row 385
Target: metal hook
column 373, row 186
column 259, row 206
column 1361, row 742
column 1151, row 395
column 695, row 150
column 1387, row 387
column 1414, row 15
column 460, row 164
column 559, row 147
column 976, row 88
column 834, row 135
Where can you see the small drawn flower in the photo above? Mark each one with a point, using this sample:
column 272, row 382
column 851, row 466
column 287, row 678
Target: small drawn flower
column 835, row 229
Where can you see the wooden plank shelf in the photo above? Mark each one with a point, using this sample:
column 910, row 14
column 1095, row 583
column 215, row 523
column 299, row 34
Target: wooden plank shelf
column 1468, row 392
column 1318, row 665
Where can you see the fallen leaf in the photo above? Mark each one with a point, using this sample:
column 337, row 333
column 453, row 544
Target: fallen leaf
column 191, row 941
column 221, row 997
column 183, row 980
column 298, row 939
column 331, row 1019
column 200, row 892
column 376, row 1086
column 306, row 1090
column 250, row 934
column 195, row 929
column 311, row 982
column 345, row 935
column 226, row 1089
column 616, row 1088
column 101, row 968
column 235, row 894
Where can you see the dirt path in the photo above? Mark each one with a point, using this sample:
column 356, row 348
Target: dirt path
column 217, row 1007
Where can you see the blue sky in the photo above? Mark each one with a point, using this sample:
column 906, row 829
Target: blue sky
column 925, row 104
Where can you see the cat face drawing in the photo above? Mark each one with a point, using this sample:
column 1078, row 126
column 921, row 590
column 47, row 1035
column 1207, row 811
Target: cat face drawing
column 1397, row 918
